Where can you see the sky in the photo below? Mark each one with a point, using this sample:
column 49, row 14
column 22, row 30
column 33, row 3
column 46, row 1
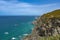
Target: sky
column 28, row 7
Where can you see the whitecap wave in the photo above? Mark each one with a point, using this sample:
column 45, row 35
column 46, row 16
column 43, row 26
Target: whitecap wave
column 6, row 32
column 25, row 34
column 13, row 38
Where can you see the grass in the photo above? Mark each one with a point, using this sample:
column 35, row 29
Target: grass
column 50, row 38
column 55, row 13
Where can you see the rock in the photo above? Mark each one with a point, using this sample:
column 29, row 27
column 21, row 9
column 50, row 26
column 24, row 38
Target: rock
column 45, row 26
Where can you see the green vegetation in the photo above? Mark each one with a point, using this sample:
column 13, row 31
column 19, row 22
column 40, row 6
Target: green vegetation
column 50, row 38
column 55, row 13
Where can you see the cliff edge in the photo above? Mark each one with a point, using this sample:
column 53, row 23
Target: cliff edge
column 47, row 27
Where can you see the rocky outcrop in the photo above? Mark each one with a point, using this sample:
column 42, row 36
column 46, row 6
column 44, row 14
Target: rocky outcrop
column 45, row 26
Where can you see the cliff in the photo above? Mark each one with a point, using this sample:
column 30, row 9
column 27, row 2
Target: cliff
column 47, row 27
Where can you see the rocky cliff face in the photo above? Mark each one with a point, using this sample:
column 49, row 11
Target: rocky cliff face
column 45, row 26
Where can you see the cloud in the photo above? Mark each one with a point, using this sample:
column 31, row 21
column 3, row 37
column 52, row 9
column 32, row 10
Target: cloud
column 11, row 8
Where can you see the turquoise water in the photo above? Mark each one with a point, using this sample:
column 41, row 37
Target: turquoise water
column 15, row 27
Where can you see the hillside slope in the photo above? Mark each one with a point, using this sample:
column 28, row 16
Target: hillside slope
column 46, row 27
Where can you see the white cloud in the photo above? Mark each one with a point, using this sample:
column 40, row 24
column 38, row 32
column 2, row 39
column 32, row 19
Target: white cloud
column 26, row 8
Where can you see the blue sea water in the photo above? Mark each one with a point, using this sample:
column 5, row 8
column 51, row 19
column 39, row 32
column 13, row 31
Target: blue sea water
column 15, row 26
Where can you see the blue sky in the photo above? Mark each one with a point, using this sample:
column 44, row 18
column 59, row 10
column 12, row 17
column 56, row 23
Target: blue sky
column 28, row 7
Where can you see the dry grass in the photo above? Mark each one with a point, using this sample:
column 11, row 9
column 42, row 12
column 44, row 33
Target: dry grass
column 55, row 13
column 50, row 38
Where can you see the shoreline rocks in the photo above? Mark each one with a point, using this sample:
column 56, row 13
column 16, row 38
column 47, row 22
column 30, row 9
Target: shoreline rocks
column 45, row 26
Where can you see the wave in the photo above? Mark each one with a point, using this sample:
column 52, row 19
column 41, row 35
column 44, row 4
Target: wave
column 6, row 32
column 13, row 38
column 25, row 34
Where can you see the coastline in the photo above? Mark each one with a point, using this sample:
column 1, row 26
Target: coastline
column 47, row 22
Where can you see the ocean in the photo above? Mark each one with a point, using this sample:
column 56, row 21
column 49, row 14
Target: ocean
column 15, row 27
